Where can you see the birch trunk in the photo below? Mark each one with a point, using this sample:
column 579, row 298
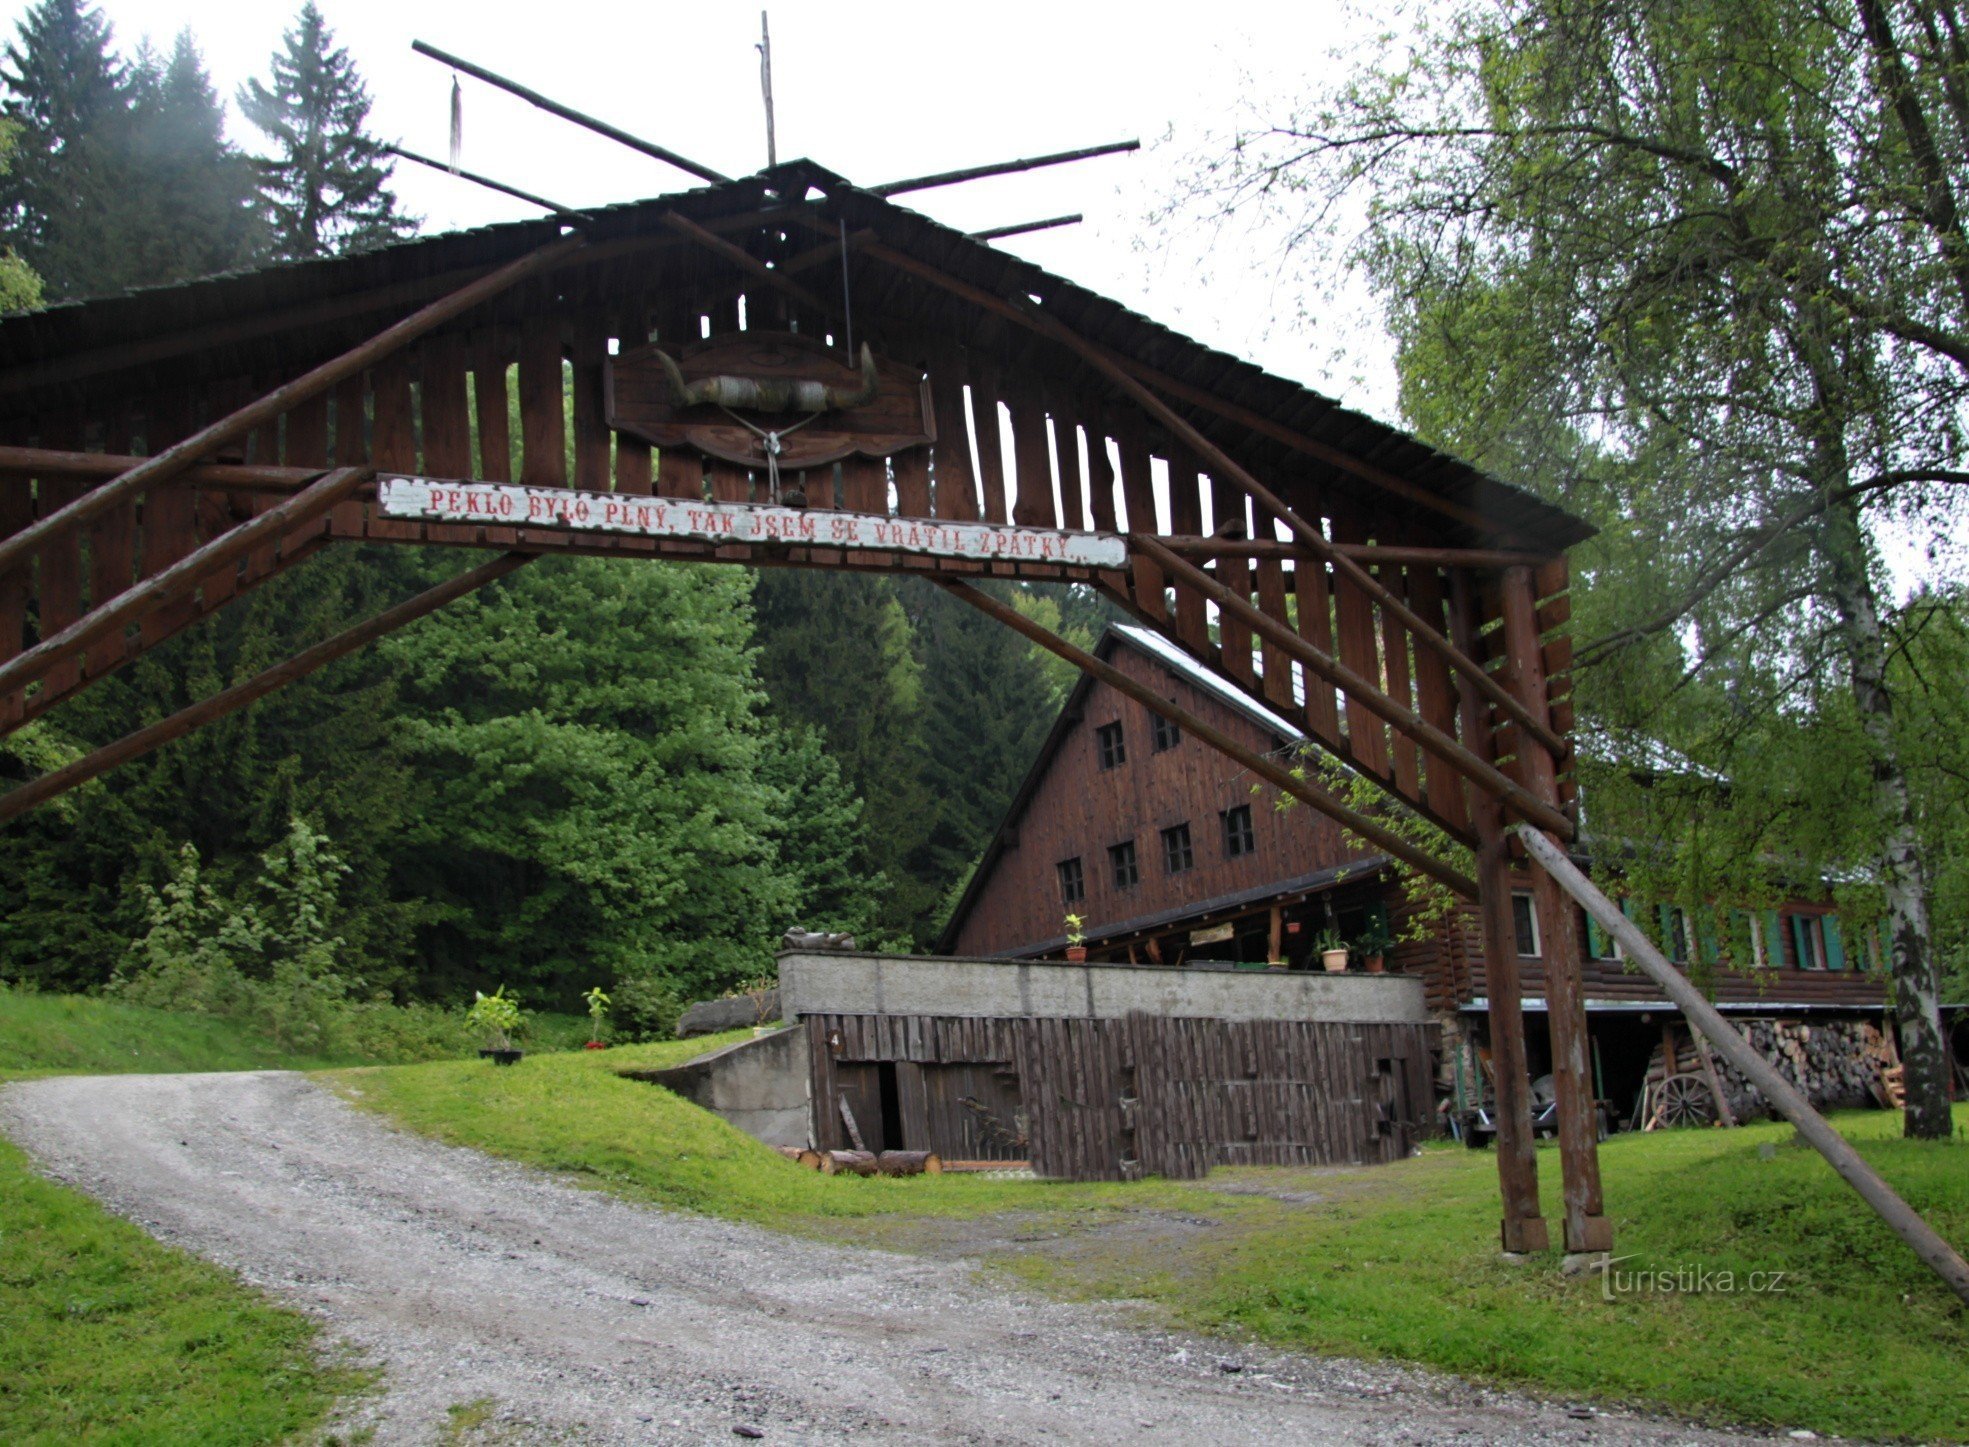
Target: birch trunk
column 1903, row 879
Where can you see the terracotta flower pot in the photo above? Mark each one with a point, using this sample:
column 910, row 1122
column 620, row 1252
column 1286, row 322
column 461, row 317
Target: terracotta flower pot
column 1077, row 954
column 1377, row 965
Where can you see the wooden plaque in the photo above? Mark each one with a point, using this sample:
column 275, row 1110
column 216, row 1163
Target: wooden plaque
column 640, row 402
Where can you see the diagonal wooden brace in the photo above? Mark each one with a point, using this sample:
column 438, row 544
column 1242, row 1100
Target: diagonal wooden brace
column 182, row 576
column 176, row 459
column 1486, row 776
column 60, row 781
column 1270, row 770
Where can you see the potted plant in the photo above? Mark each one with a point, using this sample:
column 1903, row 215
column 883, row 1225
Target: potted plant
column 498, row 1014
column 1332, row 950
column 1373, row 947
column 598, row 1004
column 1076, row 940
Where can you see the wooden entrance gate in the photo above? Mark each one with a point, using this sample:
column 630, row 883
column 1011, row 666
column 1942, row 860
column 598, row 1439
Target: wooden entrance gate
column 162, row 453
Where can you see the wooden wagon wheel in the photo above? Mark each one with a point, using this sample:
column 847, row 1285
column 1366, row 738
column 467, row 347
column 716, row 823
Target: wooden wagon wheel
column 1685, row 1100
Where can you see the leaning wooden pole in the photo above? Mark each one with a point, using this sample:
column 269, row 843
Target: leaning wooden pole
column 232, row 700
column 176, row 459
column 1852, row 1167
column 1269, row 770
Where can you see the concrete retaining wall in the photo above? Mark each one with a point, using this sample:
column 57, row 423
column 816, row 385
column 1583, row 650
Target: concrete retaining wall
column 864, row 984
column 760, row 1085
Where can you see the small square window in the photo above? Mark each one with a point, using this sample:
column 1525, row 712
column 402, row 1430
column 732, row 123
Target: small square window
column 1167, row 735
column 1238, row 838
column 1176, row 853
column 1524, row 920
column 1114, row 753
column 1122, row 858
column 1073, row 884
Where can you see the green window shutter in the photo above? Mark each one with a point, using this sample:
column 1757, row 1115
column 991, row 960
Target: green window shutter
column 1708, row 948
column 1773, row 940
column 1596, row 940
column 1835, row 947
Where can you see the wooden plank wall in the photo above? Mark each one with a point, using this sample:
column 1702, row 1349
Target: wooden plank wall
column 1149, row 1095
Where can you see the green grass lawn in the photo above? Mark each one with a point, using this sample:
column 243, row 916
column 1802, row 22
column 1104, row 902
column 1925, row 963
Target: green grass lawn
column 108, row 1337
column 1396, row 1261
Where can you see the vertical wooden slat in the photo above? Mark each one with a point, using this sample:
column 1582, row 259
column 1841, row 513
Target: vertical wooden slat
column 112, row 560
column 956, row 483
column 491, row 405
column 170, row 528
column 1032, row 459
column 393, row 433
column 865, row 485
column 1395, row 665
column 1354, row 613
column 1436, row 696
column 16, row 512
column 991, row 445
column 1186, row 518
column 1138, row 491
column 1228, row 507
column 912, row 473
column 589, row 356
column 446, row 414
column 543, row 418
column 58, row 565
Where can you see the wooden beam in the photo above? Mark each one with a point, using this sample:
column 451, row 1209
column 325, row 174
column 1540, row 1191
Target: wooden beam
column 1484, row 775
column 24, row 464
column 1523, row 1228
column 181, row 577
column 177, row 458
column 1267, row 769
column 1943, row 1259
column 39, row 791
column 1001, row 168
column 745, row 261
column 1373, row 554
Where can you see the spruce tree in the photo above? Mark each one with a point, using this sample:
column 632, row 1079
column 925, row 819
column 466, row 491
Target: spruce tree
column 63, row 201
column 199, row 206
column 326, row 187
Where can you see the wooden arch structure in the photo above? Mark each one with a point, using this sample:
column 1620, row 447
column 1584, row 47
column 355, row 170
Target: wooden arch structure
column 164, row 451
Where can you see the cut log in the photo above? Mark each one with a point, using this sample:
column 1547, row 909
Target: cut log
column 851, row 1163
column 910, row 1163
column 808, row 1158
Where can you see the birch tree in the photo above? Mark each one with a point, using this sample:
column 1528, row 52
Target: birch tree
column 1699, row 270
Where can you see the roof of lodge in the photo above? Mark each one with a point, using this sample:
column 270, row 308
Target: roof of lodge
column 240, row 311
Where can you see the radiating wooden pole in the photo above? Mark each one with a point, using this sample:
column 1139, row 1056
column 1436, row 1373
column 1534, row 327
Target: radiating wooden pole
column 174, row 460
column 49, row 785
column 1523, row 1228
column 1269, row 770
column 1901, row 1219
column 1587, row 1226
column 1485, row 775
column 181, row 577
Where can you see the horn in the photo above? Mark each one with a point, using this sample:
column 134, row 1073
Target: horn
column 871, row 382
column 682, row 393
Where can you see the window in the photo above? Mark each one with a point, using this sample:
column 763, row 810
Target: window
column 1073, row 884
column 1524, row 920
column 1167, row 735
column 1675, row 933
column 1238, row 838
column 1176, row 855
column 1816, row 942
column 1114, row 753
column 1122, row 858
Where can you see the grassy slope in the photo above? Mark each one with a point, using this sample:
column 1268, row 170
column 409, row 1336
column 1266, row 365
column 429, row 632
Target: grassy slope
column 1397, row 1261
column 78, row 1034
column 108, row 1337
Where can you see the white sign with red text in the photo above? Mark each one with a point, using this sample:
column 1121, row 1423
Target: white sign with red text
column 502, row 504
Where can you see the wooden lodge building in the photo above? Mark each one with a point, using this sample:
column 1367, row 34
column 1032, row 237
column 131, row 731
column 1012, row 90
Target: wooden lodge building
column 1171, row 854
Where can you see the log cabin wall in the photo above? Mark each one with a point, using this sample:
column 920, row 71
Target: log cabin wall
column 1077, row 806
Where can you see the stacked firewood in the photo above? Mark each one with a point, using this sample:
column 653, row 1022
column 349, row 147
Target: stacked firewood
column 1834, row 1063
column 866, row 1163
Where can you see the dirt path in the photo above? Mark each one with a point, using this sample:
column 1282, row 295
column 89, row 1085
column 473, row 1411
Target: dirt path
column 589, row 1320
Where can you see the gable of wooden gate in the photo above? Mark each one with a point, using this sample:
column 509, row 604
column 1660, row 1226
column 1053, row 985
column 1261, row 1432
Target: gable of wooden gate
column 512, row 389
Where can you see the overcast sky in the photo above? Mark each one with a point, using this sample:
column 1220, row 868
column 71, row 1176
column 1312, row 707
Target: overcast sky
column 874, row 91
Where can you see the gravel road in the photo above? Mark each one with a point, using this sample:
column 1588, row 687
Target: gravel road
column 590, row 1320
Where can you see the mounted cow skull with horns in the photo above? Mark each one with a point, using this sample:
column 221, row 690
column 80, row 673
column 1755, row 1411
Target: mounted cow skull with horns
column 771, row 394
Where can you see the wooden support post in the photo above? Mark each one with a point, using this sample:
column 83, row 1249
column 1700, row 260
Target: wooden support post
column 1485, row 775
column 182, row 577
column 1523, row 1227
column 1903, row 1221
column 60, row 781
column 1267, row 769
column 175, row 459
column 1587, row 1226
